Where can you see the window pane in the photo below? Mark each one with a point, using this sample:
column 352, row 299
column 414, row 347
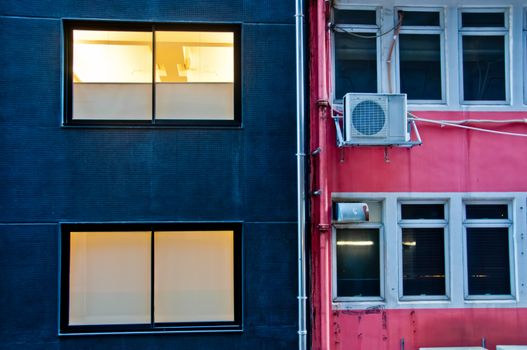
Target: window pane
column 420, row 18
column 488, row 261
column 112, row 75
column 420, row 66
column 358, row 262
column 484, row 68
column 109, row 278
column 422, row 211
column 194, row 276
column 483, row 19
column 195, row 75
column 368, row 17
column 487, row 211
column 355, row 64
column 423, row 261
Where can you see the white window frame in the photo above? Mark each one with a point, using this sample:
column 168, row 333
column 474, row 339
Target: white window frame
column 424, row 223
column 515, row 48
column 360, row 29
column 484, row 31
column 423, row 30
column 375, row 225
column 490, row 223
column 455, row 255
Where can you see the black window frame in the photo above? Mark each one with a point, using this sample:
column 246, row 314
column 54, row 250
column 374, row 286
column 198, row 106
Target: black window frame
column 70, row 25
column 153, row 327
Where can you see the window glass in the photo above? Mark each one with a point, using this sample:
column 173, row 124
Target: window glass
column 423, row 261
column 367, row 17
column 143, row 73
column 422, row 211
column 152, row 279
column 180, row 257
column 487, row 211
column 488, row 260
column 194, row 75
column 112, row 75
column 358, row 262
column 420, row 66
column 109, row 278
column 483, row 67
column 355, row 64
column 482, row 19
column 420, row 18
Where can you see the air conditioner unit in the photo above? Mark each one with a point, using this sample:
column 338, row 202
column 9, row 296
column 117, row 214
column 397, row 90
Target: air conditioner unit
column 375, row 119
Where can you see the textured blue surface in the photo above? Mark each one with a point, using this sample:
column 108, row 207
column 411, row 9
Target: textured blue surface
column 51, row 174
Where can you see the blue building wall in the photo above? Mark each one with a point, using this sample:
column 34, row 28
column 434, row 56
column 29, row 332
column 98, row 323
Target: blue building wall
column 51, row 174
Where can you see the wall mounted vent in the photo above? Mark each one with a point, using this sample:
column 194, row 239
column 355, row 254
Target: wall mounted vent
column 375, row 119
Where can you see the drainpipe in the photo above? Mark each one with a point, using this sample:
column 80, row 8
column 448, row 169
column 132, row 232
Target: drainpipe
column 300, row 170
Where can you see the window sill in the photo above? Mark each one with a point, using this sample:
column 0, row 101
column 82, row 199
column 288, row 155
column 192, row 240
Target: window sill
column 179, row 331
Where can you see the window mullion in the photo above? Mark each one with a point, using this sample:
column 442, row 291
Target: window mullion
column 152, row 277
column 154, row 74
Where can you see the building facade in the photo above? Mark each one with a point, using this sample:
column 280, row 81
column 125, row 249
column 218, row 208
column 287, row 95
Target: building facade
column 148, row 179
column 438, row 259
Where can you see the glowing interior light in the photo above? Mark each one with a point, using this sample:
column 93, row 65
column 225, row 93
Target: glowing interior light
column 112, row 57
column 410, row 244
column 355, row 243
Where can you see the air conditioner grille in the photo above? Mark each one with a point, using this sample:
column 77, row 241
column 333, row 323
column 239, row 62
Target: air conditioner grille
column 375, row 119
column 369, row 118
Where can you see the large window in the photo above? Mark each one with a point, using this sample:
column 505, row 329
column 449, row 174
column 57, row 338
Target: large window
column 136, row 73
column 144, row 278
column 421, row 73
column 483, row 43
column 489, row 252
column 423, row 250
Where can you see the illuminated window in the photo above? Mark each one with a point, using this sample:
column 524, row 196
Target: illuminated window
column 358, row 258
column 152, row 74
column 120, row 278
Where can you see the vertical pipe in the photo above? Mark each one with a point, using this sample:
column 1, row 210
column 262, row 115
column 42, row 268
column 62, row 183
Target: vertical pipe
column 323, row 71
column 300, row 167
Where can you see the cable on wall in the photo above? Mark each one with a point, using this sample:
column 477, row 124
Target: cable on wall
column 459, row 124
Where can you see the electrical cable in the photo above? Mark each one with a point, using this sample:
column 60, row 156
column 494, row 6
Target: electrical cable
column 344, row 30
column 454, row 124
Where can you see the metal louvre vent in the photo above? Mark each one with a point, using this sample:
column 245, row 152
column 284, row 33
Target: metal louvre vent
column 368, row 117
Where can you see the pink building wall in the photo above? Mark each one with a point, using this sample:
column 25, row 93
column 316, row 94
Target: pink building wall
column 449, row 160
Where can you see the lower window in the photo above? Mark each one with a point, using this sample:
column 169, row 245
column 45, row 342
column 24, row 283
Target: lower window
column 358, row 263
column 148, row 278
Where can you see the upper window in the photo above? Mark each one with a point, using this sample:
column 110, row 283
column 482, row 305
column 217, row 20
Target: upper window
column 144, row 278
column 423, row 250
column 489, row 256
column 421, row 72
column 483, row 47
column 136, row 73
column 356, row 53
